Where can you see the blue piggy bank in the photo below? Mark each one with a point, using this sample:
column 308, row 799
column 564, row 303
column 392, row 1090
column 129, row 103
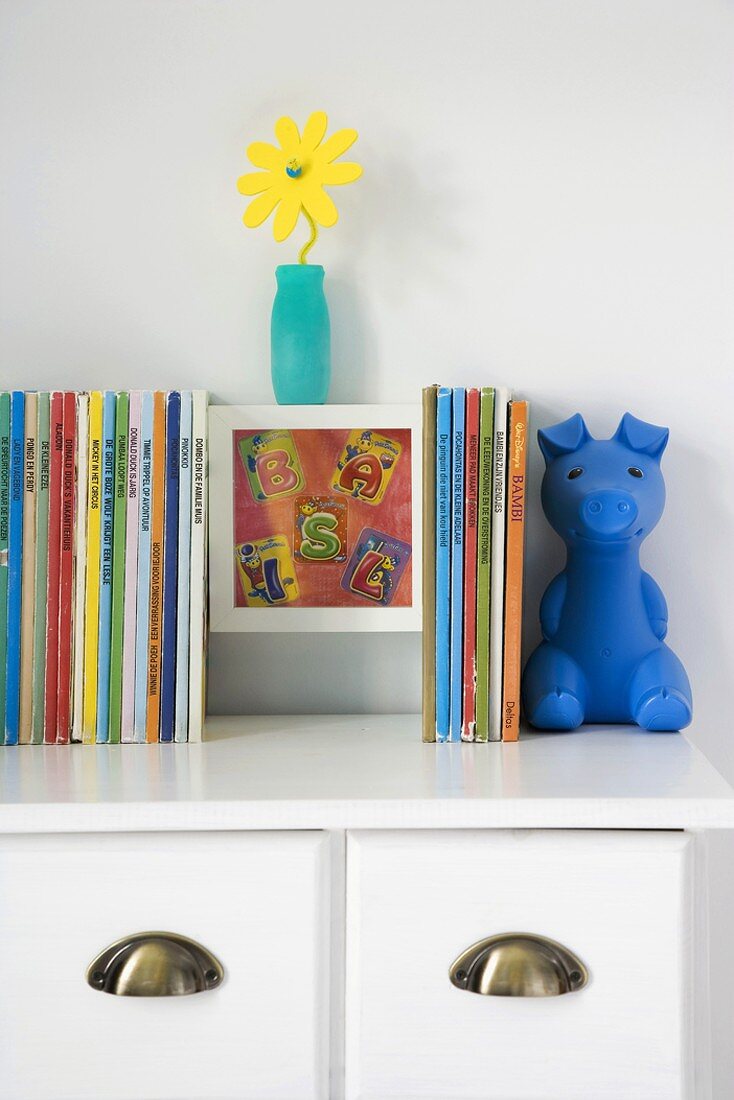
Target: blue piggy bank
column 603, row 658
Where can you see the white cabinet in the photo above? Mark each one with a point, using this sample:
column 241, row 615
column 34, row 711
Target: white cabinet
column 257, row 901
column 622, row 901
column 337, row 867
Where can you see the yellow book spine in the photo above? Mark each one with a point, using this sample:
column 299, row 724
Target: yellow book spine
column 91, row 606
column 156, row 564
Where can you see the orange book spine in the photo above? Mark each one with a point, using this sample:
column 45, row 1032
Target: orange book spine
column 516, row 484
column 157, row 503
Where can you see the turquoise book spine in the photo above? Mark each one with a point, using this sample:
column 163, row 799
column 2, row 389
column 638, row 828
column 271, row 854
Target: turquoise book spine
column 443, row 560
column 15, row 567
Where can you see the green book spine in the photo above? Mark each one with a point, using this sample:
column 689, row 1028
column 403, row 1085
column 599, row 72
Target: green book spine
column 484, row 544
column 118, row 566
column 430, row 401
column 4, row 511
column 43, row 443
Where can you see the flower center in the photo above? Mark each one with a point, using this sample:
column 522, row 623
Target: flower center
column 293, row 168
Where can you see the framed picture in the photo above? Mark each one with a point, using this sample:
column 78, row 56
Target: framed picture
column 314, row 517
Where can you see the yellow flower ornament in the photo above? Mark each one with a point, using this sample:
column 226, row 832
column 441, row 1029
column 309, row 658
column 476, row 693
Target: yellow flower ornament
column 294, row 175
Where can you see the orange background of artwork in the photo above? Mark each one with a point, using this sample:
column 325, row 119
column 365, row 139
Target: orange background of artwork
column 319, row 450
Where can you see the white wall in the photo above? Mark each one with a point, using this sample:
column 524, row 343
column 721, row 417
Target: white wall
column 548, row 201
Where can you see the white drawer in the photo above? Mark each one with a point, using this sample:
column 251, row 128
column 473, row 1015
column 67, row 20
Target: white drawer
column 257, row 901
column 620, row 900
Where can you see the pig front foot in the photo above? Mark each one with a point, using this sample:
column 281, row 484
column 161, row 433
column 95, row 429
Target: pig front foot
column 554, row 690
column 660, row 694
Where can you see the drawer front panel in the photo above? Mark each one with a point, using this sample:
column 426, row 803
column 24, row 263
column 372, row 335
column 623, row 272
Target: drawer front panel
column 620, row 901
column 257, row 901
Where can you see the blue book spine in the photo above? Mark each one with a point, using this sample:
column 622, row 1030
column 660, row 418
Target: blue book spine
column 457, row 562
column 109, row 409
column 443, row 559
column 4, row 518
column 15, row 566
column 142, row 624
column 170, row 566
column 181, row 726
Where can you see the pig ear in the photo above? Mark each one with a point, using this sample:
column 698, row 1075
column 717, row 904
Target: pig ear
column 563, row 438
column 646, row 438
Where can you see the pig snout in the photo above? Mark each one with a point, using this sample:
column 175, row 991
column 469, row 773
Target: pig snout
column 607, row 513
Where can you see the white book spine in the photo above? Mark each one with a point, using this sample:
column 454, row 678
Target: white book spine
column 132, row 533
column 181, row 722
column 80, row 565
column 198, row 627
column 497, row 565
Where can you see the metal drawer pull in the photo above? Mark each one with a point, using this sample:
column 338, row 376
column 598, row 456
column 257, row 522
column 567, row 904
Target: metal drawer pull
column 155, row 964
column 518, row 964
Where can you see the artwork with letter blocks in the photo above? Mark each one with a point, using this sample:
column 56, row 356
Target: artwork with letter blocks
column 314, row 517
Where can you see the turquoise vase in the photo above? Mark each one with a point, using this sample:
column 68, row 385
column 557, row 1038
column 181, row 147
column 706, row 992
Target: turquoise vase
column 300, row 336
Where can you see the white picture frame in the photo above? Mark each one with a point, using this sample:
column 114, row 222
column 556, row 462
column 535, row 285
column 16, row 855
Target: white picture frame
column 224, row 615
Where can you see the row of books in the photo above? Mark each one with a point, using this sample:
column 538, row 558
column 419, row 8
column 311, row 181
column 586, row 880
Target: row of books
column 102, row 566
column 474, row 470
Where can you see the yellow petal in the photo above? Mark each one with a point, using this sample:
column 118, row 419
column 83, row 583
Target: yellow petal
column 337, row 144
column 254, row 183
column 287, row 134
column 286, row 217
column 314, row 131
column 344, row 172
column 260, row 208
column 320, row 206
column 264, row 155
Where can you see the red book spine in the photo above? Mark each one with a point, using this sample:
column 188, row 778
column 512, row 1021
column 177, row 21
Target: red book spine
column 54, row 568
column 471, row 529
column 66, row 571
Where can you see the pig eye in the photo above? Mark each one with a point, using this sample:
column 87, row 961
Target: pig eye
column 635, row 471
column 576, row 472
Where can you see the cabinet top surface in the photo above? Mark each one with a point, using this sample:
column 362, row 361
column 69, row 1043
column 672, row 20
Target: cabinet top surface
column 366, row 771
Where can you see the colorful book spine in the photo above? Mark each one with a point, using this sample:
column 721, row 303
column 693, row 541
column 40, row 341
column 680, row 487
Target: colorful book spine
column 484, row 544
column 155, row 618
column 119, row 519
column 458, row 427
column 127, row 719
column 496, row 618
column 169, row 603
column 103, row 566
column 4, row 517
column 53, row 570
column 80, row 564
column 43, row 445
column 29, row 570
column 197, row 647
column 143, row 584
column 443, row 560
column 15, row 567
column 66, row 570
column 91, row 605
column 109, row 410
column 471, row 503
column 516, row 490
column 430, row 398
column 183, row 621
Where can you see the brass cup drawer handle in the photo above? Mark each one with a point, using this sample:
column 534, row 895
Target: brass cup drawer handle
column 155, row 964
column 518, row 964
